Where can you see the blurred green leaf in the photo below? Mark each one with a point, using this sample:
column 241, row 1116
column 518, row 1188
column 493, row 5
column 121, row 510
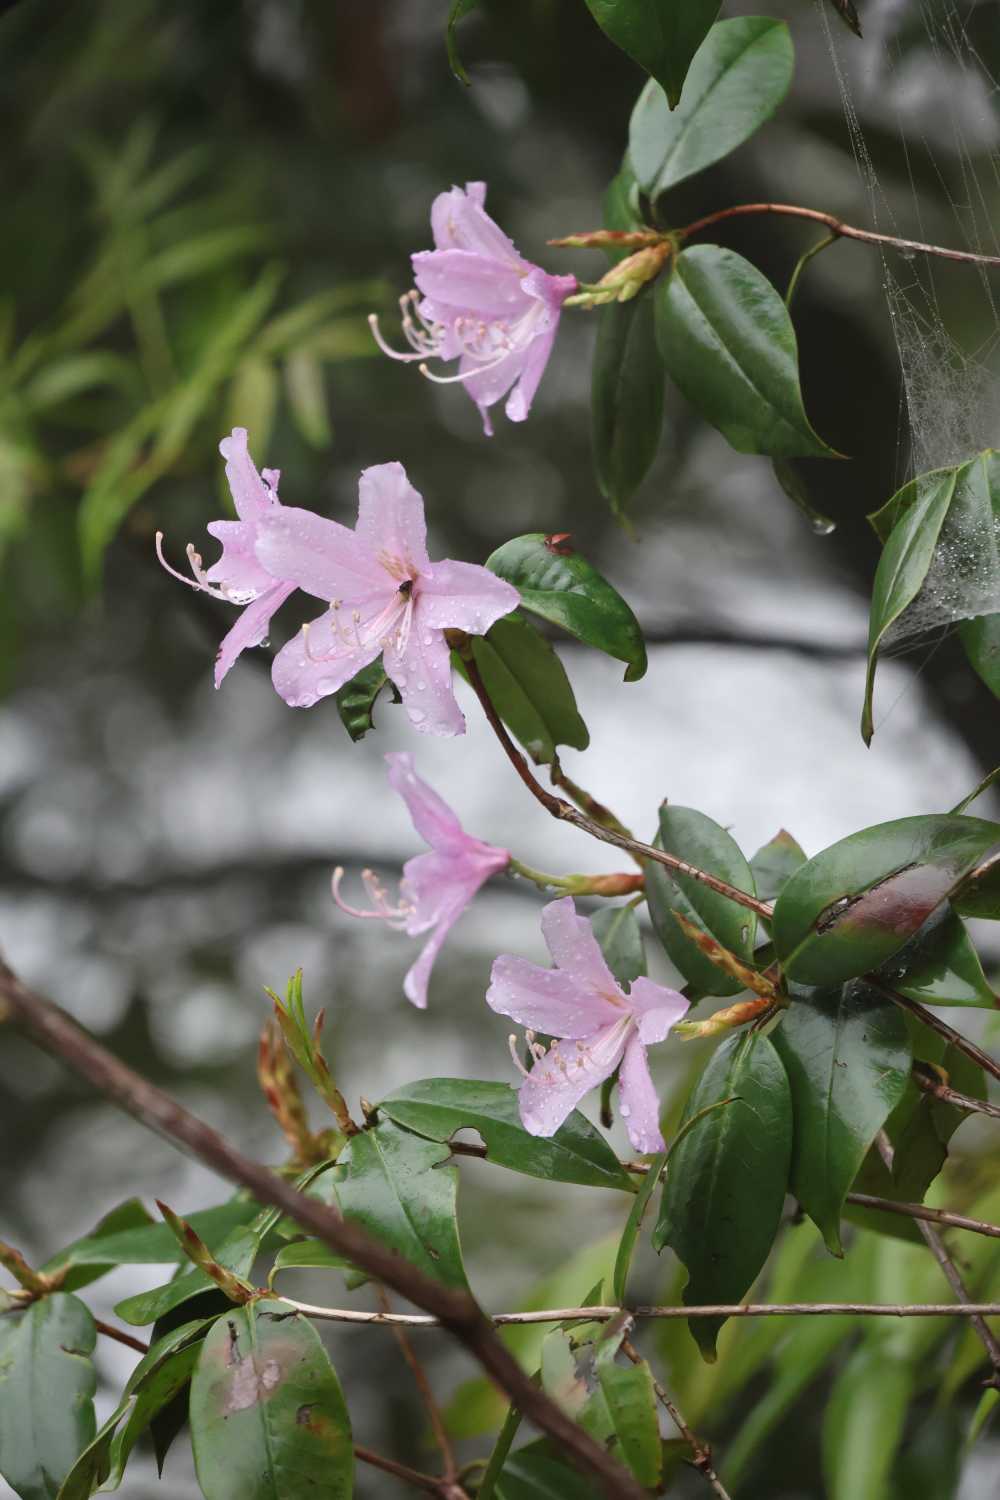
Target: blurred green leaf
column 47, row 1384
column 459, row 8
column 863, row 1424
column 306, row 391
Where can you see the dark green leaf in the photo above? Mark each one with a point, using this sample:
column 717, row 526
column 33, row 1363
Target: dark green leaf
column 439, row 1107
column 988, row 780
column 739, row 76
column 617, row 930
column 237, row 1253
column 855, row 905
column 356, row 699
column 863, row 1424
column 774, row 864
column 559, row 585
column 622, row 208
column 535, row 1473
column 662, row 36
column 132, row 1214
column 626, row 398
column 942, row 967
column 47, row 1384
column 459, row 8
column 847, row 1055
column 268, row 1420
column 693, row 837
column 146, row 1243
column 728, row 343
column 392, row 1183
column 981, row 639
column 929, row 1463
column 529, row 688
column 793, row 483
column 725, row 1189
column 630, row 1401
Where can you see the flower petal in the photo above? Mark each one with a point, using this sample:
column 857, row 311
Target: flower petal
column 417, row 977
column 488, row 384
column 532, row 369
column 318, row 661
column 391, row 517
column 657, row 1008
column 251, row 627
column 238, row 567
column 433, row 819
column 462, row 596
column 457, row 282
column 638, row 1104
column 559, row 1080
column 547, row 1000
column 320, row 556
column 251, row 496
column 460, row 222
column 571, row 941
column 422, row 673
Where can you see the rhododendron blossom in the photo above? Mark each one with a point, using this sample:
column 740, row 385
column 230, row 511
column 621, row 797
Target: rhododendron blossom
column 436, row 887
column 597, row 1025
column 385, row 596
column 480, row 302
column 239, row 577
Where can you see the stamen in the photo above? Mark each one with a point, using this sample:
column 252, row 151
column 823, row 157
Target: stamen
column 200, row 582
column 464, row 375
column 519, row 1065
column 387, row 348
column 396, row 916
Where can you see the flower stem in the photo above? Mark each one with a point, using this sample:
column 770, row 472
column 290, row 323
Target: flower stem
column 580, row 885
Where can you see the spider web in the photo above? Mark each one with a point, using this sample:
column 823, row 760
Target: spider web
column 920, row 77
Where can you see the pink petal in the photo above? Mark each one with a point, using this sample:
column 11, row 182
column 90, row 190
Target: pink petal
column 391, row 517
column 462, row 596
column 250, row 628
column 532, row 369
column 320, row 556
column 457, row 282
column 315, row 663
column 433, row 819
column 251, row 495
column 238, row 567
column 422, row 674
column 575, row 950
column 547, row 1000
column 487, row 384
column 460, row 221
column 639, row 1106
column 558, row 1082
column 416, row 981
column 658, row 1008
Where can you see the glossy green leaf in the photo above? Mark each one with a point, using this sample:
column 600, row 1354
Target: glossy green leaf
column 356, row 699
column 943, row 968
column 529, row 688
column 626, row 398
column 863, row 1424
column 855, row 905
column 847, row 1055
column 439, row 1107
column 775, row 863
column 459, row 8
column 662, row 36
column 617, row 930
column 695, row 838
column 725, row 1189
column 981, row 639
column 535, row 1473
column 393, row 1184
column 727, row 341
column 739, row 76
column 268, row 1420
column 559, row 585
column 47, row 1384
column 237, row 1253
column 314, row 1254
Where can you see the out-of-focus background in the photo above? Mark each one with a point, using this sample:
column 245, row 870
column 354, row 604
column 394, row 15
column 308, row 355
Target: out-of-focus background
column 202, row 203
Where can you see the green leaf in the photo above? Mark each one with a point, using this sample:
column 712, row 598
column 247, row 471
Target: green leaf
column 617, row 930
column 725, row 1189
column 356, row 699
column 529, row 688
column 82, row 1270
column 47, row 1384
column 863, row 1424
column 535, row 1473
column 313, row 1254
column 268, row 1420
column 662, row 36
column 739, row 76
column 693, row 837
column 459, row 8
column 144, row 1242
column 943, row 968
column 727, row 341
column 981, row 639
column 237, row 1253
column 439, row 1107
column 559, row 585
column 626, row 398
column 392, row 1183
column 906, row 559
column 855, row 905
column 847, row 1055
column 622, row 208
column 630, row 1402
column 775, row 863
column 252, row 401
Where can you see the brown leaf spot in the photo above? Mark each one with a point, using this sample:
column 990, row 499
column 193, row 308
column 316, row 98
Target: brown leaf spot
column 557, row 542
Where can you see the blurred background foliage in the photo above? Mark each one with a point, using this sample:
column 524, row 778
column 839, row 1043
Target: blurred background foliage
column 203, row 202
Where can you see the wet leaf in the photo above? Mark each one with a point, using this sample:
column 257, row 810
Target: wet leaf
column 942, row 967
column 662, row 36
column 529, row 688
column 981, row 639
column 47, row 1384
column 356, row 699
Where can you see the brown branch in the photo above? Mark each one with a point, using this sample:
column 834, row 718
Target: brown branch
column 953, row 1037
column 947, row 1095
column 836, row 227
column 566, row 813
column 921, row 1211
column 456, row 1311
column 121, row 1337
column 601, row 1314
column 445, row 1489
column 702, row 1453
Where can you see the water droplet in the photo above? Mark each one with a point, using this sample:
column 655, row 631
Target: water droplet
column 326, row 685
column 417, row 715
column 624, row 1110
column 421, row 687
column 823, row 526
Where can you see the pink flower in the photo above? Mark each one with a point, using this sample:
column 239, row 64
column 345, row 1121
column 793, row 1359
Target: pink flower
column 238, row 576
column 385, row 596
column 481, row 304
column 436, row 887
column 598, row 1026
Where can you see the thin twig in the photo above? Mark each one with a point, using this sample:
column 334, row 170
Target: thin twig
column 836, row 227
column 953, row 1037
column 939, row 1090
column 445, row 1489
column 457, row 1311
column 121, row 1337
column 567, row 813
column 702, row 1460
column 922, row 1212
column 423, row 1385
